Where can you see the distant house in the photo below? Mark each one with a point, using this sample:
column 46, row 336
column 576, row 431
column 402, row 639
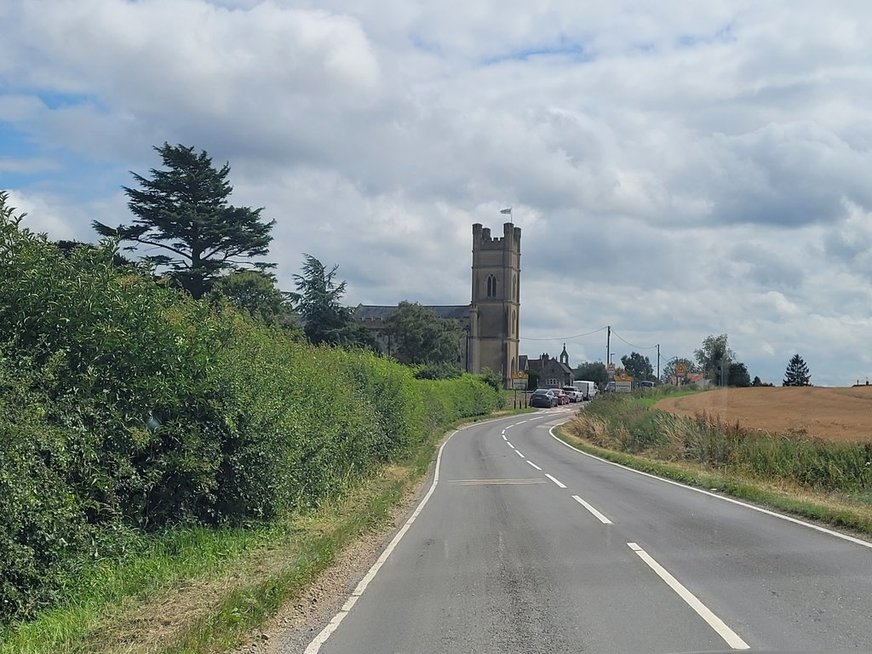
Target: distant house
column 697, row 378
column 553, row 373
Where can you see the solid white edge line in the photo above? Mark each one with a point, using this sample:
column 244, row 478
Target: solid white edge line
column 534, row 465
column 315, row 646
column 730, row 637
column 518, row 452
column 774, row 514
column 599, row 516
column 555, row 480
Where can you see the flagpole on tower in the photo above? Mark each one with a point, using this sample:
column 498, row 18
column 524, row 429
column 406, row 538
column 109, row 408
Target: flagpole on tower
column 507, row 210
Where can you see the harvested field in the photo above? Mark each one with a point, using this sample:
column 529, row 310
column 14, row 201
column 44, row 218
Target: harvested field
column 843, row 414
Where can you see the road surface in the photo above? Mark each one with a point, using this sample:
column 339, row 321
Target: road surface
column 526, row 545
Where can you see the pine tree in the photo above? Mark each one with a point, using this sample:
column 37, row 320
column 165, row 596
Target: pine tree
column 184, row 211
column 797, row 373
column 317, row 301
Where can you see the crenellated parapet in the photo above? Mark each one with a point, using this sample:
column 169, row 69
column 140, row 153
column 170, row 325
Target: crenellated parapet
column 511, row 238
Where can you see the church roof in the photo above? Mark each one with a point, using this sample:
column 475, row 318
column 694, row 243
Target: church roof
column 538, row 364
column 365, row 312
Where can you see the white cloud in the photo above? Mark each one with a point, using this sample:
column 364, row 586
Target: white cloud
column 676, row 173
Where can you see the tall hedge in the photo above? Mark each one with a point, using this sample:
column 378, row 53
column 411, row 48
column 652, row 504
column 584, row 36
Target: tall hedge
column 126, row 405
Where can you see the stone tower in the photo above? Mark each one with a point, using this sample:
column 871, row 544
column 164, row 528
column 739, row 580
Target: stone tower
column 496, row 295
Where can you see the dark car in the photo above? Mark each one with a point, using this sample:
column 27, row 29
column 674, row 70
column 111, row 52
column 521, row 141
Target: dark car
column 543, row 398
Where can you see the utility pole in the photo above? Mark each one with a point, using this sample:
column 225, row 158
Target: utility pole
column 608, row 344
column 658, row 363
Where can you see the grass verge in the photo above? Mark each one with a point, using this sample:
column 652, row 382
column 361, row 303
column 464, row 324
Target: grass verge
column 833, row 509
column 198, row 589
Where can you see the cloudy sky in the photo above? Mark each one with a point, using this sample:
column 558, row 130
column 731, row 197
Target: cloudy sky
column 677, row 172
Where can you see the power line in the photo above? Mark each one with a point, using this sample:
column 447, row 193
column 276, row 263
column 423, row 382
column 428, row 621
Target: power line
column 564, row 338
column 638, row 347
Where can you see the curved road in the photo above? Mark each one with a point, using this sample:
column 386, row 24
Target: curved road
column 526, row 545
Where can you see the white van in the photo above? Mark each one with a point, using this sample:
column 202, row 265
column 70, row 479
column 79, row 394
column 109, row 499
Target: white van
column 587, row 388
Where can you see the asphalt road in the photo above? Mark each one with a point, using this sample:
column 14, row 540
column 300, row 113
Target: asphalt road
column 525, row 545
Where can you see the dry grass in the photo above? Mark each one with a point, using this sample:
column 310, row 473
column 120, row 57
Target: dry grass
column 839, row 414
column 153, row 624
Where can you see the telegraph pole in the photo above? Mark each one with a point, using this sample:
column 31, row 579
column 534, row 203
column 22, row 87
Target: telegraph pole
column 658, row 363
column 608, row 344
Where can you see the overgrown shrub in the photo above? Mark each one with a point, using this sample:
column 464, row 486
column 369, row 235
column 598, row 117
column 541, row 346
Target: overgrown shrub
column 125, row 405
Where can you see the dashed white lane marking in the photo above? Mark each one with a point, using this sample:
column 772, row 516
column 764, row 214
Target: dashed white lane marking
column 599, row 516
column 555, row 480
column 796, row 521
column 518, row 452
column 504, row 438
column 533, row 464
column 730, row 637
column 510, row 444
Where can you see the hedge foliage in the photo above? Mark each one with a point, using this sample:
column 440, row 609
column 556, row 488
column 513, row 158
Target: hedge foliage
column 125, row 405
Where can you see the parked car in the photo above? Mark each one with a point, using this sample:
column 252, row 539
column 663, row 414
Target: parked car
column 543, row 398
column 562, row 397
column 574, row 394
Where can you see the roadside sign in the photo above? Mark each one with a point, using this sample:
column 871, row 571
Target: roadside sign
column 519, row 375
column 610, row 369
column 623, row 377
column 519, row 384
column 681, row 368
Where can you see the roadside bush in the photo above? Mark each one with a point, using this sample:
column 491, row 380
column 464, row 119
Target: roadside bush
column 127, row 407
column 625, row 424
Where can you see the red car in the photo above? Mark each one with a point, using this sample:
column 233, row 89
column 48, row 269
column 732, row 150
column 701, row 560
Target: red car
column 562, row 397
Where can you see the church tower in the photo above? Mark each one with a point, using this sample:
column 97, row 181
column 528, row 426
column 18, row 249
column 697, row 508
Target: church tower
column 496, row 300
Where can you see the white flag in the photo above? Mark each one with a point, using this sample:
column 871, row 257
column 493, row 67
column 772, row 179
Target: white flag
column 509, row 210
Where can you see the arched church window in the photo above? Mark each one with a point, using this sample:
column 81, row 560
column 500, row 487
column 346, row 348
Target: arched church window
column 491, row 286
column 515, row 287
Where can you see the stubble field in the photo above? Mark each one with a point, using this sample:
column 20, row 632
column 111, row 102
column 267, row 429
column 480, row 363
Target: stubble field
column 843, row 414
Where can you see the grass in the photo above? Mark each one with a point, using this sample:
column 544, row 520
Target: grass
column 198, row 589
column 850, row 510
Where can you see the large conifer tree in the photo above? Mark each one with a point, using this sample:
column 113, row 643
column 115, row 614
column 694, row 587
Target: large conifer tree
column 184, row 211
column 797, row 373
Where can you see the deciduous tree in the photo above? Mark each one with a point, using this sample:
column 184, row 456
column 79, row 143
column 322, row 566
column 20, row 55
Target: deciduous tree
column 638, row 366
column 420, row 337
column 738, row 375
column 714, row 358
column 256, row 294
column 592, row 371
